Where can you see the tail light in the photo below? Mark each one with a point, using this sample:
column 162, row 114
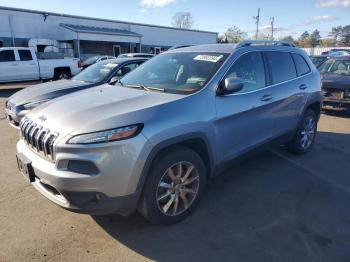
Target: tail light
column 79, row 63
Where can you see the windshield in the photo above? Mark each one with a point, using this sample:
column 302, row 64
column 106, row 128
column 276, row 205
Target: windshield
column 91, row 60
column 339, row 67
column 185, row 72
column 95, row 73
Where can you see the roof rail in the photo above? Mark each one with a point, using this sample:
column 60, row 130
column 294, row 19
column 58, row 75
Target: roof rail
column 263, row 42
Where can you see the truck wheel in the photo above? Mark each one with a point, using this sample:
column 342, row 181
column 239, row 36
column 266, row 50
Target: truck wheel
column 305, row 135
column 174, row 185
column 62, row 74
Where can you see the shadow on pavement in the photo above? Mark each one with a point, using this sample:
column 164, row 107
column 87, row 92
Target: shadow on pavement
column 265, row 208
column 8, row 92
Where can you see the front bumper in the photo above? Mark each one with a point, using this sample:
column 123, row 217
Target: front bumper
column 114, row 189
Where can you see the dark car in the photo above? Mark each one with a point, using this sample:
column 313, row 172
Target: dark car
column 108, row 71
column 318, row 59
column 335, row 75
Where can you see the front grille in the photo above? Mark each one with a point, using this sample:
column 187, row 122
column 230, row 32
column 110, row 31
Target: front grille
column 38, row 138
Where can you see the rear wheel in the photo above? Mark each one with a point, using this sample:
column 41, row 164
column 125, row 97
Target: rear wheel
column 173, row 187
column 305, row 135
column 62, row 74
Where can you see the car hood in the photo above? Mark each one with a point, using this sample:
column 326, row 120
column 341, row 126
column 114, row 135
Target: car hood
column 335, row 81
column 46, row 90
column 99, row 108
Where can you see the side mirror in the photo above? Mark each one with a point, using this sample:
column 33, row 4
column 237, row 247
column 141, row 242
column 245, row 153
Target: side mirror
column 230, row 85
column 113, row 80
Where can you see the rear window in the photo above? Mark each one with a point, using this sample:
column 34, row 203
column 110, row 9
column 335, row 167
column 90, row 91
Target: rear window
column 281, row 65
column 25, row 55
column 302, row 66
column 7, row 56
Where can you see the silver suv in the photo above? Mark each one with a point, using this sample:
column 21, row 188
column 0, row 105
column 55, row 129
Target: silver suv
column 151, row 142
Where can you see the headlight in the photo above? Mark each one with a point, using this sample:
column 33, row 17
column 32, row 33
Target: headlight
column 31, row 105
column 107, row 135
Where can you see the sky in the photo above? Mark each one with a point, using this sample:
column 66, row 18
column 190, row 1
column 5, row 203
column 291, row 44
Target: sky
column 291, row 17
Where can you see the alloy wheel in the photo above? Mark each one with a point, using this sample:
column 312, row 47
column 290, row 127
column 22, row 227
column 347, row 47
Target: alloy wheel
column 177, row 188
column 308, row 132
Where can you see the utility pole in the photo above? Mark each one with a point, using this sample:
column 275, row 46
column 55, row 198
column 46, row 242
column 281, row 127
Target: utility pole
column 257, row 18
column 272, row 26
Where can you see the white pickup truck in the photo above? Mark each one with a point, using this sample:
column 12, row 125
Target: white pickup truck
column 21, row 64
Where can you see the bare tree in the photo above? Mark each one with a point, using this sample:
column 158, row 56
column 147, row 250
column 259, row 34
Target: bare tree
column 235, row 35
column 183, row 20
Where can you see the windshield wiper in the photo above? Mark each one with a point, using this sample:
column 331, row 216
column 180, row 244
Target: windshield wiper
column 147, row 88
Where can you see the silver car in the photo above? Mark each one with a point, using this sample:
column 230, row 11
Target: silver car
column 152, row 142
column 107, row 71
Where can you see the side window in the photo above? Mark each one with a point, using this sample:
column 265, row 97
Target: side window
column 7, row 56
column 281, row 65
column 25, row 55
column 250, row 68
column 126, row 69
column 302, row 66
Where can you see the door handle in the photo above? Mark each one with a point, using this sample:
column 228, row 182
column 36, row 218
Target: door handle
column 14, row 64
column 303, row 86
column 266, row 98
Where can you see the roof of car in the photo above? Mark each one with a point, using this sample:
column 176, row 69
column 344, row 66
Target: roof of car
column 122, row 60
column 340, row 57
column 230, row 48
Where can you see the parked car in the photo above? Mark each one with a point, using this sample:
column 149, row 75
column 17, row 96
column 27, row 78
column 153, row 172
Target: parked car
column 107, row 71
column 21, row 64
column 178, row 46
column 335, row 75
column 337, row 52
column 152, row 142
column 318, row 59
column 95, row 59
column 144, row 55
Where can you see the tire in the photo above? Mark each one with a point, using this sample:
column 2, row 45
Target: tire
column 61, row 74
column 163, row 186
column 305, row 134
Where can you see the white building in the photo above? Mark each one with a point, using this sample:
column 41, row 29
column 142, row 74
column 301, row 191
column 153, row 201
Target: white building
column 85, row 36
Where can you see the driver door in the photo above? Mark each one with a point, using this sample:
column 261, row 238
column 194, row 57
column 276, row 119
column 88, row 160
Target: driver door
column 243, row 118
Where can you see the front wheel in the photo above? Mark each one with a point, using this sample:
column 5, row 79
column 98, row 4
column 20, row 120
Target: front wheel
column 175, row 183
column 305, row 135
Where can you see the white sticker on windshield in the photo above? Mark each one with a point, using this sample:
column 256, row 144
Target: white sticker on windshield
column 208, row 58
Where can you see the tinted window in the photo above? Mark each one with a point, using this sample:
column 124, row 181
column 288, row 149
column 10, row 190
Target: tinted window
column 126, row 69
column 25, row 55
column 7, row 56
column 250, row 68
column 281, row 65
column 302, row 66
